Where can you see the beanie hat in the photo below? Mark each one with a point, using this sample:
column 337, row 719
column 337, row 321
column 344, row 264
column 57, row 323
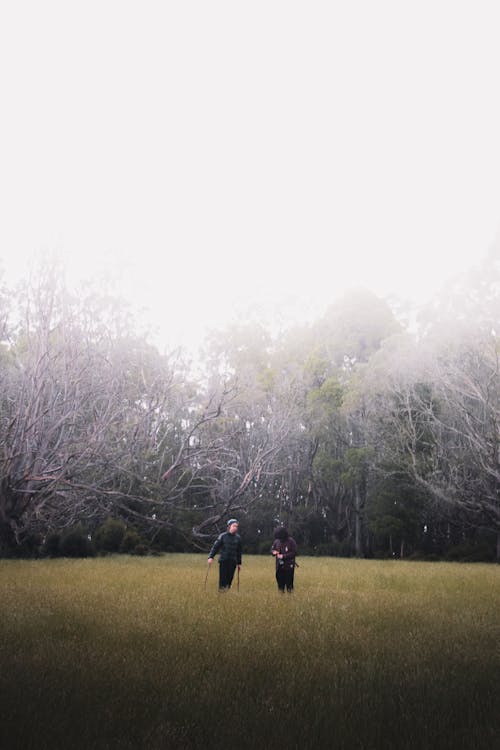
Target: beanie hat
column 281, row 533
column 232, row 520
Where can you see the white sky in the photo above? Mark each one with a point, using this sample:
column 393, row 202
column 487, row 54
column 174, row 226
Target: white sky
column 212, row 155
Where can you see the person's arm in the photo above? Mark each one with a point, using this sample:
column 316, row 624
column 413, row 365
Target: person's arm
column 274, row 548
column 238, row 553
column 215, row 548
column 292, row 549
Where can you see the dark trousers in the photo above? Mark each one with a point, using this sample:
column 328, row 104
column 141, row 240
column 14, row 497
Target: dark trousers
column 284, row 578
column 226, row 573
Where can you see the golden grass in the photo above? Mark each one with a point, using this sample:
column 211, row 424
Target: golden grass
column 135, row 653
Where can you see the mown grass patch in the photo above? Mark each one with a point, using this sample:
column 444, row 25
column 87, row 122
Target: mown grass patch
column 135, row 653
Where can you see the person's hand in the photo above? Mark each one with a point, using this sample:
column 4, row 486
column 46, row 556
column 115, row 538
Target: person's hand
column 239, row 567
column 280, row 557
column 210, row 560
column 275, row 552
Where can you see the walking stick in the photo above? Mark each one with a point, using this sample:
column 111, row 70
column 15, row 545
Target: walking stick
column 206, row 577
column 238, row 580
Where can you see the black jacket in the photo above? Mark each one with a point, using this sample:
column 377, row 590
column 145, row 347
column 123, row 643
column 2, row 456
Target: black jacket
column 287, row 548
column 229, row 546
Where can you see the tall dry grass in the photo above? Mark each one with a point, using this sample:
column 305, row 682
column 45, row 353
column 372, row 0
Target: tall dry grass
column 135, row 653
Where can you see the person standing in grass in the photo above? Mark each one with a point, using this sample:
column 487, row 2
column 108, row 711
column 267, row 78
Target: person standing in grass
column 229, row 545
column 284, row 550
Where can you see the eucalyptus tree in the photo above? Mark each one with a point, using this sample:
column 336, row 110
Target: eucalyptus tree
column 352, row 330
column 91, row 415
column 323, row 486
column 400, row 405
column 327, row 434
column 46, row 433
column 434, row 408
column 466, row 429
column 463, row 329
column 245, row 446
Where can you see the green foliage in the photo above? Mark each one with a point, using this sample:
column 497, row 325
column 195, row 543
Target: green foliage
column 316, row 366
column 333, row 548
column 355, row 465
column 29, row 548
column 355, row 326
column 481, row 551
column 263, row 547
column 327, row 468
column 171, row 539
column 109, row 536
column 51, row 545
column 322, row 408
column 130, row 540
column 141, row 550
column 328, row 396
column 394, row 513
column 266, row 379
column 75, row 543
column 322, row 550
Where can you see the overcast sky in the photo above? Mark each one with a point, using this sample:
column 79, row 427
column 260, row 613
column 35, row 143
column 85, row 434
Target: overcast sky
column 212, row 155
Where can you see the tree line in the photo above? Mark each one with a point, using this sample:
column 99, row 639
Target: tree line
column 365, row 433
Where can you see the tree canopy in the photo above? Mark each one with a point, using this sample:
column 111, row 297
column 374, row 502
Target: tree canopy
column 364, row 436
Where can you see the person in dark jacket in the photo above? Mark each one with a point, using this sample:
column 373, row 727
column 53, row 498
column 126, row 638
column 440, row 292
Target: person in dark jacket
column 284, row 550
column 229, row 546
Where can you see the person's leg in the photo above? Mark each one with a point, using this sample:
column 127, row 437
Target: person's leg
column 226, row 573
column 289, row 580
column 280, row 579
column 231, row 567
column 222, row 576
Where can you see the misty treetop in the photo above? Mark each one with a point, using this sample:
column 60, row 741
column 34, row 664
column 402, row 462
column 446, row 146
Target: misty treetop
column 364, row 435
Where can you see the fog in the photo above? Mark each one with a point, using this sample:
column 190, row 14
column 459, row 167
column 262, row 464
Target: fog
column 214, row 157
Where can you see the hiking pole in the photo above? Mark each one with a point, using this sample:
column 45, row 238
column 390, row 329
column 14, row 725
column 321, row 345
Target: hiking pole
column 238, row 579
column 206, row 577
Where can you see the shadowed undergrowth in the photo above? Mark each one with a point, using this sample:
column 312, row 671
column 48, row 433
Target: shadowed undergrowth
column 135, row 653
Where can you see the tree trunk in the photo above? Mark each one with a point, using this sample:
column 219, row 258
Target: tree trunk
column 357, row 514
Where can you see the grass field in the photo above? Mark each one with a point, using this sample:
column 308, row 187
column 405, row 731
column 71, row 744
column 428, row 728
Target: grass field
column 134, row 653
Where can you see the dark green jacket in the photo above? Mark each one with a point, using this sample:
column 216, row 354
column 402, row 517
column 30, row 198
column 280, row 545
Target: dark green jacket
column 229, row 546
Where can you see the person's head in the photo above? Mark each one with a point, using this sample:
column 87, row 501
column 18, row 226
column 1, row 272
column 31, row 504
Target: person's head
column 281, row 533
column 232, row 525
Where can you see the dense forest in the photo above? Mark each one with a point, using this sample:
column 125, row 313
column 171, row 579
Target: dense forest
column 366, row 432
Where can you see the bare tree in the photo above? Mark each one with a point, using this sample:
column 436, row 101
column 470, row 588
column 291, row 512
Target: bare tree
column 87, row 417
column 466, row 429
column 240, row 453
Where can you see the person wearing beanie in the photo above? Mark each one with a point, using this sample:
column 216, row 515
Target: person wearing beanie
column 284, row 550
column 229, row 545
